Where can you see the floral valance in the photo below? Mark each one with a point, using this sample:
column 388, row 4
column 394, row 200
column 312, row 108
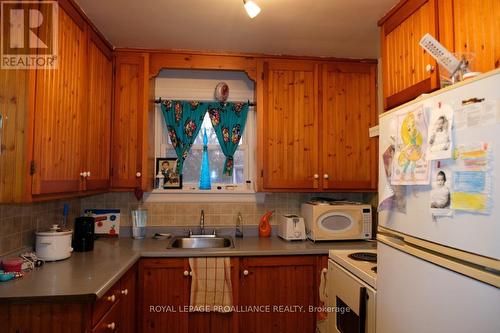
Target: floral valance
column 184, row 119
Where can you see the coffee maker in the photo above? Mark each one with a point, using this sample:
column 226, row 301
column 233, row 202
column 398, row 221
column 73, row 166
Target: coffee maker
column 83, row 237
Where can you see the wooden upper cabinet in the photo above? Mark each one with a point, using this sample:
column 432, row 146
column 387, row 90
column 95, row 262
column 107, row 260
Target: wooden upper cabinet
column 59, row 104
column 98, row 118
column 408, row 70
column 290, row 125
column 472, row 27
column 130, row 122
column 349, row 155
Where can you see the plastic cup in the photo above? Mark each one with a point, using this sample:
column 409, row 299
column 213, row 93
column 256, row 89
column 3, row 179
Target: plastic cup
column 139, row 221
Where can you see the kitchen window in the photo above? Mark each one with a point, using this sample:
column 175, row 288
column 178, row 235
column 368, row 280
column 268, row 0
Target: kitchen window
column 200, row 85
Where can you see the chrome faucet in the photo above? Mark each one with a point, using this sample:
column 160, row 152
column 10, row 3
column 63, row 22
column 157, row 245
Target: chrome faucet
column 202, row 222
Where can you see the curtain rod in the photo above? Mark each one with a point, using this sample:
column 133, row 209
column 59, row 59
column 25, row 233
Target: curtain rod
column 159, row 100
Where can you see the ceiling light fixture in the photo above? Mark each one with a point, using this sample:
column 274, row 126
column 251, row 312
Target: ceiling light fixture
column 251, row 7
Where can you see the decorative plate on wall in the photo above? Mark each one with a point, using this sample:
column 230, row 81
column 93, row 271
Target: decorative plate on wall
column 221, row 91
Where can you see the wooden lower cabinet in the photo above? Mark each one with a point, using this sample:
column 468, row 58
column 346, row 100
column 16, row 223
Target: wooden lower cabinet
column 266, row 283
column 274, row 283
column 113, row 312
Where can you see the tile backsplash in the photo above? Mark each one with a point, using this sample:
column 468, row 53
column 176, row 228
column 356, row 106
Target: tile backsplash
column 18, row 223
column 216, row 213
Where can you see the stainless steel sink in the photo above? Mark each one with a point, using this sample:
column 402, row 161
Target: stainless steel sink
column 200, row 242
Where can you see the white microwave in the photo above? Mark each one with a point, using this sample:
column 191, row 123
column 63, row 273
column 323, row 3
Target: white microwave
column 334, row 221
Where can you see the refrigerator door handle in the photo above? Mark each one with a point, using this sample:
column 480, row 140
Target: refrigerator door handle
column 437, row 255
column 362, row 309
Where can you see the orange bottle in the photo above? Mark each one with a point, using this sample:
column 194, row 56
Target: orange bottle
column 264, row 226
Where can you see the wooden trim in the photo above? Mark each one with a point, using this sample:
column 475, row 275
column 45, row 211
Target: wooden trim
column 409, row 93
column 76, row 15
column 403, row 12
column 241, row 54
column 94, row 37
column 75, row 8
column 97, row 184
column 159, row 61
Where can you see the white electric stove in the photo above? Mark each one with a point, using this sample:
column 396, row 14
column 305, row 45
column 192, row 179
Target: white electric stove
column 361, row 263
column 352, row 281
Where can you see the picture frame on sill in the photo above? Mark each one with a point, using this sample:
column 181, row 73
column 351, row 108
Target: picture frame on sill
column 166, row 174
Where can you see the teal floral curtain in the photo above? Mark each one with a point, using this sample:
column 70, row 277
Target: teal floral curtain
column 183, row 119
column 228, row 120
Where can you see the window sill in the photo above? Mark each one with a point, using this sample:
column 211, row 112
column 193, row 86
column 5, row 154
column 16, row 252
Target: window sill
column 214, row 195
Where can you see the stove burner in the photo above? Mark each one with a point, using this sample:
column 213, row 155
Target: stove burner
column 364, row 256
column 374, row 269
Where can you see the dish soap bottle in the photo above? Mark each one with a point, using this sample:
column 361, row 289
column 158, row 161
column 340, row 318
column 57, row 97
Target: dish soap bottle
column 264, row 226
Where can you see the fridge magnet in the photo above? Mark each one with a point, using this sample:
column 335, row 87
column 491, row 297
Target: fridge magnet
column 166, row 174
column 439, row 144
column 410, row 165
column 107, row 221
column 471, row 179
column 440, row 198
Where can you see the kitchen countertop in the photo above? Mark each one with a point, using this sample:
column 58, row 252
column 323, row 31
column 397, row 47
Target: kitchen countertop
column 86, row 276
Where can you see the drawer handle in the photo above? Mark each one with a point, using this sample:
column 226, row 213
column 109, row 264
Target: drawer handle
column 245, row 272
column 111, row 298
column 125, row 292
column 138, row 174
column 112, row 326
column 187, row 273
column 325, row 176
column 316, row 176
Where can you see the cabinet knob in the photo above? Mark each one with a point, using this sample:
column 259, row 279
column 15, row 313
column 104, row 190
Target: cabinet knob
column 429, row 68
column 112, row 326
column 245, row 272
column 125, row 292
column 324, row 270
column 187, row 273
column 82, row 174
column 138, row 174
column 88, row 173
column 111, row 298
column 316, row 176
column 325, row 176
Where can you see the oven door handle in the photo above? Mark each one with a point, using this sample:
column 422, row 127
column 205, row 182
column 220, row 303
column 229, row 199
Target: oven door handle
column 362, row 309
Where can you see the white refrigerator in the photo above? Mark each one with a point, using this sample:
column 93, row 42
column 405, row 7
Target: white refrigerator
column 438, row 267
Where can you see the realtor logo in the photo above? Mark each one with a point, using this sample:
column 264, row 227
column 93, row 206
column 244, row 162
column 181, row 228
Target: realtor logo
column 29, row 34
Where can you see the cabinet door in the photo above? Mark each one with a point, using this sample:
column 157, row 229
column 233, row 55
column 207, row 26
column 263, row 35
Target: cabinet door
column 271, row 282
column 404, row 62
column 164, row 293
column 129, row 120
column 290, row 125
column 128, row 291
column 98, row 118
column 349, row 155
column 472, row 28
column 59, row 104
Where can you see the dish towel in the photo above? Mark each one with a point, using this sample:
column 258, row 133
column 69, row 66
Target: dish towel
column 211, row 288
column 321, row 316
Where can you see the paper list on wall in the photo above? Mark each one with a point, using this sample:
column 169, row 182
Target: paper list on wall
column 471, row 178
column 477, row 114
